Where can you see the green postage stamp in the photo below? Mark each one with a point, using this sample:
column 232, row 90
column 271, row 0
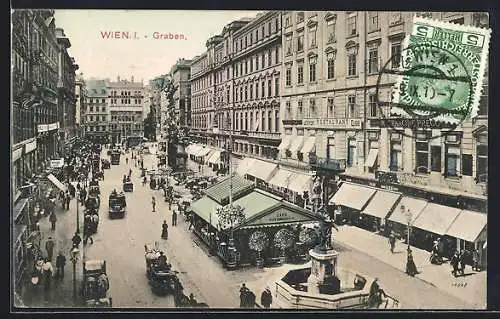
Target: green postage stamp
column 441, row 72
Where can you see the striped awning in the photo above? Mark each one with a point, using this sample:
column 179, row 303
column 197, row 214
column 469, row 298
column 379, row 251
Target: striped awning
column 203, row 152
column 214, row 158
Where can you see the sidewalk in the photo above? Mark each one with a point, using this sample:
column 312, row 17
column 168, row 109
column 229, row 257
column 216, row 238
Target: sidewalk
column 61, row 291
column 470, row 288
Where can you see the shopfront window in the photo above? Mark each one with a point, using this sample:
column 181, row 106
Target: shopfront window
column 452, row 160
column 482, row 162
column 436, row 158
column 396, row 159
column 421, row 154
column 351, row 152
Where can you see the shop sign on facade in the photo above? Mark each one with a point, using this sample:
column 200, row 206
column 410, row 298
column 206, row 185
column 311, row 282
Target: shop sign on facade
column 281, row 215
column 30, row 147
column 334, row 123
column 57, row 163
column 16, row 154
column 42, row 128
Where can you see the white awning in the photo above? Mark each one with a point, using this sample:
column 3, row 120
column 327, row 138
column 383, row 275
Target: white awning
column 468, row 226
column 56, row 182
column 436, row 218
column 203, row 152
column 381, row 204
column 244, row 166
column 214, row 158
column 300, row 182
column 188, row 148
column 297, row 144
column 413, row 204
column 282, row 178
column 372, row 157
column 262, row 170
column 309, row 145
column 352, row 196
column 285, row 142
column 193, row 149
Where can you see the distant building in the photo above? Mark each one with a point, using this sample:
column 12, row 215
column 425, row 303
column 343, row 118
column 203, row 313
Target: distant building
column 181, row 74
column 126, row 99
column 96, row 115
column 81, row 103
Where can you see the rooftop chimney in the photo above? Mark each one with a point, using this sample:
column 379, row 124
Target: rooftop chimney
column 118, row 78
column 132, row 79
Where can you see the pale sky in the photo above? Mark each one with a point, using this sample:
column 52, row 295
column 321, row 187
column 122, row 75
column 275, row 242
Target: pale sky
column 144, row 58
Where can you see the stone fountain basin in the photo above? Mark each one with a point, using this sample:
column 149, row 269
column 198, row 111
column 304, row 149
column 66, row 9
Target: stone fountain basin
column 292, row 291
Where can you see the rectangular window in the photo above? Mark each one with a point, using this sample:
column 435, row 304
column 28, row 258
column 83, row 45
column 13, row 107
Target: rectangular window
column 452, row 160
column 276, row 120
column 395, row 18
column 395, row 54
column 263, row 60
column 422, row 155
column 269, row 121
column 467, row 164
column 246, row 93
column 277, row 57
column 246, row 66
column 312, row 37
column 287, row 21
column 330, row 30
column 373, row 61
column 312, row 108
column 482, row 163
column 483, row 102
column 288, row 45
column 300, row 42
column 351, row 106
column 300, row 74
column 300, row 17
column 251, row 91
column 262, row 89
column 299, row 109
column 312, row 72
column 351, row 71
column 251, row 65
column 330, row 68
column 373, row 21
column 269, row 86
column 396, row 157
column 372, row 105
column 277, row 86
column 269, row 58
column 288, row 76
column 330, row 107
column 351, row 26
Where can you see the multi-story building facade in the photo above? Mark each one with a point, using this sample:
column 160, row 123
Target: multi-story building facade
column 81, row 103
column 236, row 84
column 181, row 73
column 35, row 118
column 126, row 100
column 331, row 64
column 96, row 114
column 66, row 88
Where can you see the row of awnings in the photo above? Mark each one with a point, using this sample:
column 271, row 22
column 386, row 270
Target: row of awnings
column 211, row 154
column 298, row 143
column 439, row 219
column 274, row 176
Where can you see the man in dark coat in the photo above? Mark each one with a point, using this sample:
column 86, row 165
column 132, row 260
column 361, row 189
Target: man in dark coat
column 49, row 246
column 266, row 298
column 53, row 220
column 60, row 263
column 454, row 263
column 76, row 240
column 243, row 295
column 461, row 262
column 174, row 218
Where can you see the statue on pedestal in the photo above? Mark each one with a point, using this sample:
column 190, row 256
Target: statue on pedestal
column 326, row 223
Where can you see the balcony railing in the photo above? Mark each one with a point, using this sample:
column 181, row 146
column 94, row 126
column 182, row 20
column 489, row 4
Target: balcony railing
column 328, row 164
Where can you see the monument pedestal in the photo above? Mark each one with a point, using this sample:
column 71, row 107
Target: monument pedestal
column 323, row 278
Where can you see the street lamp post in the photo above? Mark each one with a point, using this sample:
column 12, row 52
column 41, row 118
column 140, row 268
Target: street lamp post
column 77, row 212
column 74, row 259
column 410, row 266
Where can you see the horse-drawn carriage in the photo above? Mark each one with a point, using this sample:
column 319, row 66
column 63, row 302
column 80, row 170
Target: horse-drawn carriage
column 92, row 202
column 94, row 189
column 128, row 186
column 105, row 163
column 117, row 205
column 95, row 284
column 162, row 278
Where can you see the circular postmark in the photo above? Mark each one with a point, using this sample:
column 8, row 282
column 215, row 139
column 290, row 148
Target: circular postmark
column 433, row 90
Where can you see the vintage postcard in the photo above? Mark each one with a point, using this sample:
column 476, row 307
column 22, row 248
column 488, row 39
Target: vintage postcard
column 267, row 160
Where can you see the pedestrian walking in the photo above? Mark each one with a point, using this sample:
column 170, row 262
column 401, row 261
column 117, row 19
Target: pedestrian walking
column 87, row 230
column 199, row 168
column 76, row 240
column 392, row 241
column 53, row 220
column 174, row 218
column 475, row 260
column 461, row 262
column 68, row 200
column 49, row 247
column 153, row 203
column 126, row 160
column 47, row 271
column 243, row 295
column 266, row 299
column 95, row 222
column 60, row 263
column 411, row 268
column 454, row 263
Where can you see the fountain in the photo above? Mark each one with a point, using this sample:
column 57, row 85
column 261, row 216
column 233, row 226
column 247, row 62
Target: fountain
column 324, row 285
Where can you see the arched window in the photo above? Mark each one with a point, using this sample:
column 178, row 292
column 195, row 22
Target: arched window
column 269, row 120
column 263, row 123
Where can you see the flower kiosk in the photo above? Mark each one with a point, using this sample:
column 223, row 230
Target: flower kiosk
column 257, row 228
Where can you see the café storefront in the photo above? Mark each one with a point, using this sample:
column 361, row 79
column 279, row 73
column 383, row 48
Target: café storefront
column 270, row 230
